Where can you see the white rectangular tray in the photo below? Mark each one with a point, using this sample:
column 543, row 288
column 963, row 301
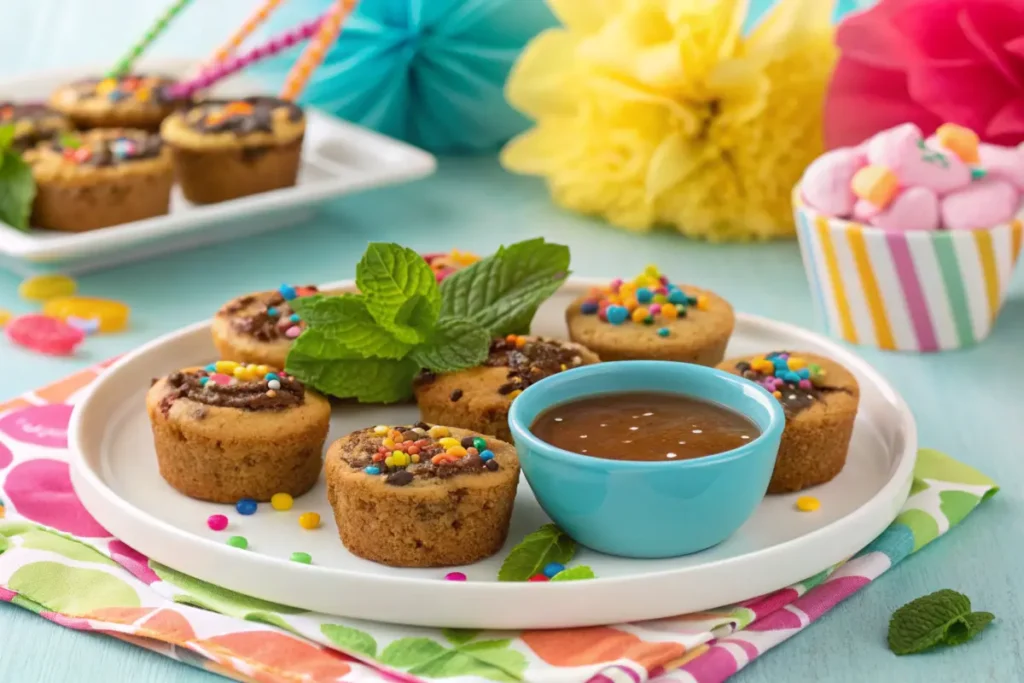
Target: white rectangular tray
column 338, row 158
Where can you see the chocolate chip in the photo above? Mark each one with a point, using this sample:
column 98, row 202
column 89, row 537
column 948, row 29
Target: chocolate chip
column 467, row 442
column 410, row 435
column 456, row 395
column 472, row 462
column 399, row 478
column 508, row 388
column 743, row 366
column 421, row 425
column 491, row 465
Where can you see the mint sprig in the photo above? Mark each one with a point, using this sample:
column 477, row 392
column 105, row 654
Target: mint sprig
column 577, row 573
column 17, row 186
column 369, row 346
column 941, row 618
column 545, row 545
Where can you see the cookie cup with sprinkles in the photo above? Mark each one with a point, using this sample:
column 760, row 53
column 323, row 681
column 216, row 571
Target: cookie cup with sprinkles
column 820, row 398
column 479, row 398
column 651, row 318
column 229, row 149
column 259, row 327
column 229, row 431
column 99, row 178
column 33, row 123
column 131, row 101
column 421, row 495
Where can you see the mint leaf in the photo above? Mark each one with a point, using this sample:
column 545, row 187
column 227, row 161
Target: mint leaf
column 966, row 628
column 547, row 544
column 502, row 292
column 350, row 639
column 344, row 321
column 409, row 652
column 576, row 573
column 6, row 136
column 926, row 622
column 400, row 289
column 369, row 380
column 453, row 345
column 17, row 190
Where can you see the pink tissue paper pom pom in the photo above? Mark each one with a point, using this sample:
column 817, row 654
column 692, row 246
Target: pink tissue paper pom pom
column 928, row 62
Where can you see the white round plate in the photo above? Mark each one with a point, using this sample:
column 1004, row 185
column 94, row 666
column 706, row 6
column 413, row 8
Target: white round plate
column 115, row 474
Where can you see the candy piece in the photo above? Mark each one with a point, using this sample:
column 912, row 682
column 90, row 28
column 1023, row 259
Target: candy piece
column 455, row 576
column 44, row 334
column 88, row 325
column 246, row 506
column 5, row 316
column 1003, row 163
column 961, row 141
column 302, row 558
column 876, row 184
column 903, row 151
column 112, row 315
column 538, row 578
column 239, row 542
column 984, row 204
column 807, row 503
column 309, row 520
column 43, row 287
column 864, row 211
column 217, row 522
column 826, row 185
column 281, row 502
column 916, row 208
column 552, row 568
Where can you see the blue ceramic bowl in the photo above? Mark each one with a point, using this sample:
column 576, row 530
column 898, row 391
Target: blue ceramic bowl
column 649, row 509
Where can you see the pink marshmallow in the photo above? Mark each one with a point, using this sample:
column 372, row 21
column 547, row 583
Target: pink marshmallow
column 826, row 183
column 985, row 203
column 903, row 150
column 916, row 208
column 1003, row 163
column 864, row 211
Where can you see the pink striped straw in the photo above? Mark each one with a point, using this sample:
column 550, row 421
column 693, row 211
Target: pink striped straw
column 233, row 65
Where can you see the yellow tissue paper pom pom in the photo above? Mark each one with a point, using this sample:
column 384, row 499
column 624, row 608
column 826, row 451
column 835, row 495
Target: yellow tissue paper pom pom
column 660, row 112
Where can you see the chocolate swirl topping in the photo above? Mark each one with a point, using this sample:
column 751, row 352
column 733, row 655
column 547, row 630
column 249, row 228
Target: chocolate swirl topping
column 241, row 117
column 793, row 396
column 42, row 122
column 108, row 151
column 252, row 395
column 138, row 87
column 531, row 360
column 270, row 319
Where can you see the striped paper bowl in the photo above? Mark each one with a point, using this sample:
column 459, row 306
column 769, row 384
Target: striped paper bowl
column 906, row 291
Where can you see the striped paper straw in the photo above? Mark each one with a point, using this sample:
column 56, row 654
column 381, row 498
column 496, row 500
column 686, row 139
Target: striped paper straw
column 314, row 53
column 124, row 66
column 907, row 291
column 239, row 37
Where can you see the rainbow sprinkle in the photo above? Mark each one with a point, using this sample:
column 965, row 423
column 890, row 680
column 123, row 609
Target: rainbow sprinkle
column 648, row 298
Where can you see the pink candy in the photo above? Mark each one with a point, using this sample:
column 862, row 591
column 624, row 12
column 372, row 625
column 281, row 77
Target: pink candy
column 1005, row 163
column 217, row 522
column 46, row 335
column 915, row 208
column 903, row 150
column 984, row 204
column 826, row 185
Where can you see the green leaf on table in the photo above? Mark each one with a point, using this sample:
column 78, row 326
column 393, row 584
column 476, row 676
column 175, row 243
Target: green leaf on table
column 214, row 598
column 350, row 639
column 576, row 573
column 502, row 292
column 400, row 289
column 941, row 618
column 405, row 653
column 369, row 380
column 17, row 190
column 342, row 327
column 547, row 544
column 7, row 132
column 455, row 344
column 459, row 636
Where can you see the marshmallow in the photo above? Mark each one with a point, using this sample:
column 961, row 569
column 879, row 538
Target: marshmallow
column 903, row 151
column 876, row 184
column 864, row 211
column 1003, row 163
column 985, row 203
column 916, row 208
column 961, row 141
column 827, row 183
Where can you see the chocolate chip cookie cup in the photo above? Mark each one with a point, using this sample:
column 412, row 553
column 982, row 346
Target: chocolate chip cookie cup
column 33, row 123
column 132, row 101
column 259, row 327
column 421, row 495
column 229, row 431
column 91, row 180
column 224, row 150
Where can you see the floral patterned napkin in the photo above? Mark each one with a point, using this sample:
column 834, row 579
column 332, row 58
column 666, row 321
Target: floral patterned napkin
column 58, row 562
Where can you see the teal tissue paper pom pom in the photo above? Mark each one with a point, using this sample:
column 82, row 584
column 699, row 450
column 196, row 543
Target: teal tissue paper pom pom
column 430, row 72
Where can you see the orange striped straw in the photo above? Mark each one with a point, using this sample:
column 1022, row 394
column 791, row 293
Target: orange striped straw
column 250, row 25
column 316, row 50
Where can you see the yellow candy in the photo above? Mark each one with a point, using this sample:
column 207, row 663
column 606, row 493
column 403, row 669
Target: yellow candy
column 702, row 302
column 807, row 503
column 389, row 461
column 242, row 373
column 44, row 287
column 415, row 458
column 281, row 501
column 652, row 271
column 400, row 459
column 876, row 184
column 107, row 85
column 795, row 363
column 448, row 442
column 961, row 141
column 455, row 451
column 226, row 367
column 2, row 512
column 437, row 432
column 309, row 520
column 5, row 315
column 112, row 315
column 381, row 430
column 388, row 443
column 262, row 369
column 669, row 312
column 762, row 365
column 640, row 314
column 515, row 393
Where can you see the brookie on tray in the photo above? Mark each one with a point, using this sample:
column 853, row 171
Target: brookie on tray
column 130, row 101
column 33, row 123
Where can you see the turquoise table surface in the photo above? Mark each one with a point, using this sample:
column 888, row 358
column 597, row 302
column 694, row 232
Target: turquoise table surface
column 967, row 403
